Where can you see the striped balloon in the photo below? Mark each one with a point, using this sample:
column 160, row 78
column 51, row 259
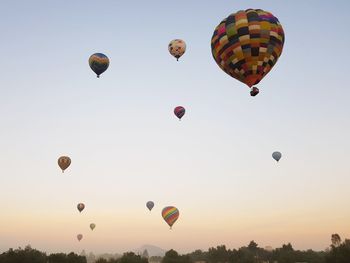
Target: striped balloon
column 179, row 111
column 170, row 215
column 64, row 162
column 98, row 63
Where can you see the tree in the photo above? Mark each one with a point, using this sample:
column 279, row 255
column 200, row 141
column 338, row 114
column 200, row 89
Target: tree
column 57, row 258
column 199, row 255
column 145, row 254
column 74, row 258
column 252, row 246
column 63, row 258
column 336, row 240
column 285, row 254
column 131, row 257
column 339, row 253
column 218, row 254
column 172, row 256
column 27, row 255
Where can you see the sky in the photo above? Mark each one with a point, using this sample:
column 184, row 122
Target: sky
column 127, row 147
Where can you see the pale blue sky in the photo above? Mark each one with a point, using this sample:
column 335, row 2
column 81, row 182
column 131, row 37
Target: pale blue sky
column 127, row 147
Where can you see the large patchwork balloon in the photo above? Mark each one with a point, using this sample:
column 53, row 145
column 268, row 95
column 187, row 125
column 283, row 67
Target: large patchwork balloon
column 170, row 214
column 247, row 44
column 99, row 63
column 177, row 48
column 64, row 162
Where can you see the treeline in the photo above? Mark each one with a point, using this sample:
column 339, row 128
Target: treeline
column 253, row 254
column 29, row 255
column 338, row 252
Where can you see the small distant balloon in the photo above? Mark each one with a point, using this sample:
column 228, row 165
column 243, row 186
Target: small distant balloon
column 170, row 214
column 150, row 205
column 80, row 207
column 79, row 237
column 64, row 162
column 99, row 63
column 277, row 156
column 179, row 112
column 177, row 48
column 92, row 226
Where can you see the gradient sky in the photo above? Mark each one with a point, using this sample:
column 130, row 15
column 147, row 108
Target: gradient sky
column 127, row 147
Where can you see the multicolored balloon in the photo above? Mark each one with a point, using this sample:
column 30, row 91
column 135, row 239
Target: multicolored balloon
column 277, row 156
column 79, row 237
column 247, row 44
column 170, row 214
column 64, row 162
column 177, row 48
column 99, row 63
column 179, row 112
column 80, row 207
column 150, row 205
column 92, row 226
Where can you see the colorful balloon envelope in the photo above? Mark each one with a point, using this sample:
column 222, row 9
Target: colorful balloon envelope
column 247, row 44
column 277, row 156
column 80, row 207
column 179, row 112
column 99, row 63
column 79, row 237
column 150, row 205
column 64, row 162
column 92, row 226
column 177, row 48
column 170, row 214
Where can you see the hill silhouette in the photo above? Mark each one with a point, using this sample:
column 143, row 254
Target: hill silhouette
column 151, row 249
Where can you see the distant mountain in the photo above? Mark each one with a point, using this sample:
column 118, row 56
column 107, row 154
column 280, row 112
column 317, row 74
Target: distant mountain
column 152, row 250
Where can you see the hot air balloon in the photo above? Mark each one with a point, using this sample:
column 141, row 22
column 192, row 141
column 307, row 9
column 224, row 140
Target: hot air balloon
column 98, row 63
column 79, row 237
column 64, row 162
column 177, row 48
column 179, row 111
column 80, row 207
column 247, row 44
column 150, row 205
column 170, row 215
column 277, row 156
column 92, row 226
